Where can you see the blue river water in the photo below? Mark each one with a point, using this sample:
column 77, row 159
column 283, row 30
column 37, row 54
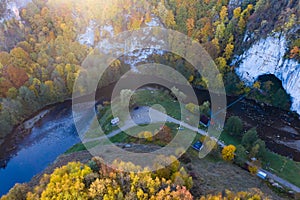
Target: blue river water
column 52, row 136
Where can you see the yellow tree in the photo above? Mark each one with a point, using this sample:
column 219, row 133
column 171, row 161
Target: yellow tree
column 237, row 12
column 228, row 51
column 148, row 136
column 228, row 152
column 224, row 13
column 257, row 85
column 241, row 24
column 67, row 182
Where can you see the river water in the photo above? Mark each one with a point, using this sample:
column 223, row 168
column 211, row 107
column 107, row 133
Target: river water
column 52, row 136
column 56, row 132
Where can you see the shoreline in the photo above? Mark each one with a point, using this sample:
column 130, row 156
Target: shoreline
column 9, row 145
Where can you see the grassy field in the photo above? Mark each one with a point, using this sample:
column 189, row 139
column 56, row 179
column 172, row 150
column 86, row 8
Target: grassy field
column 152, row 97
column 277, row 164
column 282, row 166
column 81, row 147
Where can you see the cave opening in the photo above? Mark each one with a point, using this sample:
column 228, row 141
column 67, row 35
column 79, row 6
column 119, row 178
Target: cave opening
column 269, row 89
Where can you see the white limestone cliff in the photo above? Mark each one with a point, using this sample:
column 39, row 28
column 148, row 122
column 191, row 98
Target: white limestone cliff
column 266, row 56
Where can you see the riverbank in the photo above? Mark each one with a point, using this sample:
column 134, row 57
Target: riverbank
column 59, row 130
column 11, row 143
column 278, row 128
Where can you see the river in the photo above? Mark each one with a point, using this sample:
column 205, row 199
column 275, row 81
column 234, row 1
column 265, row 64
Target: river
column 23, row 157
column 56, row 132
column 49, row 138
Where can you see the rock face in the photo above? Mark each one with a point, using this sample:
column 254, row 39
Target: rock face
column 13, row 8
column 266, row 56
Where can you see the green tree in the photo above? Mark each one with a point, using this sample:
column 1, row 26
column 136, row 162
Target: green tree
column 259, row 149
column 234, row 126
column 12, row 93
column 249, row 138
column 205, row 108
column 191, row 107
column 281, row 99
column 240, row 155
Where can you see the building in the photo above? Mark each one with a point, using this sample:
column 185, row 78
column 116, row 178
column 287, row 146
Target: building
column 205, row 121
column 197, row 146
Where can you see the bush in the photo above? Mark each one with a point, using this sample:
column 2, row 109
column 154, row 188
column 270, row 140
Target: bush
column 18, row 192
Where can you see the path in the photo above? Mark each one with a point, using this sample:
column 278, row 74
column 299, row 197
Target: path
column 282, row 181
column 146, row 115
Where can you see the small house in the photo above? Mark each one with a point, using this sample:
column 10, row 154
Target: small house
column 197, row 146
column 205, row 121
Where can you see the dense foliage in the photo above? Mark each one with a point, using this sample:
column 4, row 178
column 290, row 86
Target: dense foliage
column 97, row 181
column 41, row 55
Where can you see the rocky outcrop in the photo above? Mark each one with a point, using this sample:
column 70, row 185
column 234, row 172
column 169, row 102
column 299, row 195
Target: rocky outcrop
column 266, row 56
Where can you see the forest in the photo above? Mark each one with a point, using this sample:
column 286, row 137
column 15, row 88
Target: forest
column 95, row 180
column 41, row 56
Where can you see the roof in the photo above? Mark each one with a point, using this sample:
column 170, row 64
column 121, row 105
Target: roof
column 204, row 119
column 197, row 146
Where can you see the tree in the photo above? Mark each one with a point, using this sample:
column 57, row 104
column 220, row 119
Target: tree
column 237, row 12
column 228, row 152
column 205, row 108
column 295, row 52
column 182, row 178
column 257, row 85
column 241, row 24
column 67, row 182
column 249, row 138
column 163, row 135
column 222, row 64
column 12, row 93
column 240, row 155
column 220, row 30
column 178, row 94
column 253, row 169
column 16, row 76
column 170, row 19
column 190, row 25
column 281, row 99
column 191, row 107
column 181, row 17
column 18, row 192
column 228, row 51
column 259, row 149
column 179, row 193
column 234, row 126
column 224, row 14
column 148, row 136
